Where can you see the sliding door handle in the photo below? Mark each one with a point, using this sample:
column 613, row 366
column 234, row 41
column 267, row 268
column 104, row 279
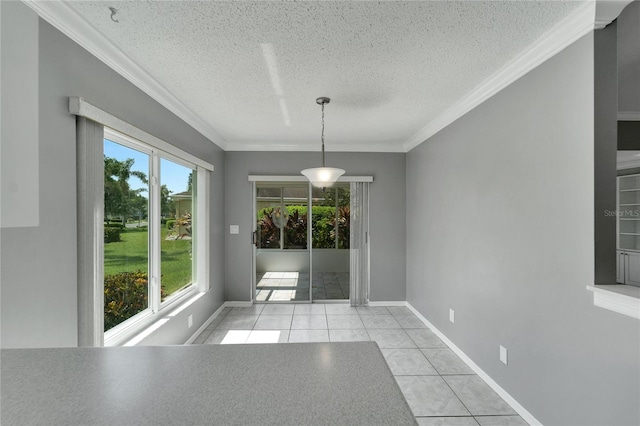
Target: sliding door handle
column 255, row 238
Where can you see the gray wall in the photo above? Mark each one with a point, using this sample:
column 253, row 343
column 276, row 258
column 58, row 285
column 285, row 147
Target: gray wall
column 500, row 228
column 387, row 215
column 605, row 148
column 39, row 285
column 19, row 207
column 629, row 57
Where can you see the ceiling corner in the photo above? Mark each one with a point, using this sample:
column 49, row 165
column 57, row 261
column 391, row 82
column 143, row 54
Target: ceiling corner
column 607, row 11
column 70, row 23
column 560, row 36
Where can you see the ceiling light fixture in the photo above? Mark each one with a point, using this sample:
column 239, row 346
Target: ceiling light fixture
column 323, row 177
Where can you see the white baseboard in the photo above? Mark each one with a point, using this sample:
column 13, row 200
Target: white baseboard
column 195, row 335
column 237, row 304
column 527, row 416
column 390, row 303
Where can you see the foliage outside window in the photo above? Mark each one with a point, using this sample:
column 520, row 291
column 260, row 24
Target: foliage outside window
column 330, row 220
column 128, row 254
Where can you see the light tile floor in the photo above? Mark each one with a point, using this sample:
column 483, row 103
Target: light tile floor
column 440, row 388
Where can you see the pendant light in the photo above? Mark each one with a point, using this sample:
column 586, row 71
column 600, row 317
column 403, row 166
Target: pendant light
column 323, row 177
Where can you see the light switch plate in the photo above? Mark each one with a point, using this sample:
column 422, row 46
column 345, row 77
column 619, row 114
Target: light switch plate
column 234, row 229
column 503, row 354
column 452, row 315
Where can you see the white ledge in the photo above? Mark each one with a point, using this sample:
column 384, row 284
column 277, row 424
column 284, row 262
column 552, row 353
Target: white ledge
column 623, row 299
column 628, row 115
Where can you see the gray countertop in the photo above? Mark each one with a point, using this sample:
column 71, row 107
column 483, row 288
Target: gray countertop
column 309, row 383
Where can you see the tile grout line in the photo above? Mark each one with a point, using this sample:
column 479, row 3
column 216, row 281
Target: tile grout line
column 457, row 396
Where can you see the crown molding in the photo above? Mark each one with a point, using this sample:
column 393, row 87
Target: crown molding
column 267, row 147
column 607, row 11
column 561, row 35
column 567, row 31
column 628, row 115
column 70, row 23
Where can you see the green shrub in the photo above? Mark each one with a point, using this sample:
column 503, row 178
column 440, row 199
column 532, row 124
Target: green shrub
column 125, row 294
column 112, row 234
column 170, row 224
column 324, row 222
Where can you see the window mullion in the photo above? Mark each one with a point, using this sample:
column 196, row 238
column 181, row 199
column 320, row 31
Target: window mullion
column 154, row 233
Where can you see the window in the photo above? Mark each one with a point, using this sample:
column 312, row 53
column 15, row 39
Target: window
column 282, row 216
column 150, row 230
column 136, row 268
column 177, row 213
column 331, row 217
column 126, row 233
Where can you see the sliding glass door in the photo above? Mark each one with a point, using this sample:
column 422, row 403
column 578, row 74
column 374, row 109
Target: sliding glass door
column 301, row 242
column 330, row 242
column 282, row 258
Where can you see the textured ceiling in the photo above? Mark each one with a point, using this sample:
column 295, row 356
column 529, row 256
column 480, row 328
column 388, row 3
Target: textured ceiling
column 253, row 70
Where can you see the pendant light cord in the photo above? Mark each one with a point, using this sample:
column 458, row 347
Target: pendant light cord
column 322, row 134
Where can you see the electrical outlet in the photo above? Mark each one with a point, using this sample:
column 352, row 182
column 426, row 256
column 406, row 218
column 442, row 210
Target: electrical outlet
column 190, row 320
column 452, row 315
column 503, row 354
column 234, row 229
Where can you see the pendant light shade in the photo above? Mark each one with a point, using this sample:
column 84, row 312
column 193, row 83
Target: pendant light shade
column 323, row 177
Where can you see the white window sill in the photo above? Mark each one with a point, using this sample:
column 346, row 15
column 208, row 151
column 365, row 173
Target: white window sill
column 623, row 299
column 141, row 326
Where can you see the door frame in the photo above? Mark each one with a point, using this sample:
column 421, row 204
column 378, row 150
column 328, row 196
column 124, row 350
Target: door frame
column 254, row 180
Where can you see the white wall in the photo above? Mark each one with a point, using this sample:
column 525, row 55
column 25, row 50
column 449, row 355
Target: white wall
column 500, row 228
column 324, row 260
column 38, row 264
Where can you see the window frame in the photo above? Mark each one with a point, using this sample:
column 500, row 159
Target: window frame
column 90, row 124
column 157, row 308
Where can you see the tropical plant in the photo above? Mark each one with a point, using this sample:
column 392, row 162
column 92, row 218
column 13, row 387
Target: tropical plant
column 324, row 222
column 344, row 226
column 295, row 232
column 268, row 231
column 183, row 223
column 125, row 294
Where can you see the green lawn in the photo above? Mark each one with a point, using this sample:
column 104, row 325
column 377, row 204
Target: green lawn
column 131, row 254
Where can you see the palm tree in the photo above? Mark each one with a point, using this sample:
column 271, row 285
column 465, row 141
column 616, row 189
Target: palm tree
column 117, row 192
